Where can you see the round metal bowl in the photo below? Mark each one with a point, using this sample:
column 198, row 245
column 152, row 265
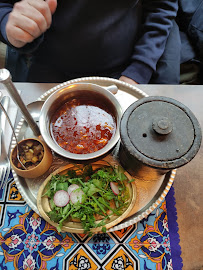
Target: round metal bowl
column 60, row 97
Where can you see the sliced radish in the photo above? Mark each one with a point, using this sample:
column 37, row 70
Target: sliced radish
column 114, row 188
column 76, row 196
column 61, row 198
column 72, row 187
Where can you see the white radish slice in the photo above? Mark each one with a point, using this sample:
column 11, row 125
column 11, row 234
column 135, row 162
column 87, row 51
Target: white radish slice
column 76, row 196
column 114, row 188
column 61, row 198
column 72, row 187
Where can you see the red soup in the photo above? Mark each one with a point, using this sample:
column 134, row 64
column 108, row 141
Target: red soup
column 83, row 125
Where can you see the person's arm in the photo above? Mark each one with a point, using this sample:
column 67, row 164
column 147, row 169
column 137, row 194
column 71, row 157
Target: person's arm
column 22, row 24
column 5, row 8
column 127, row 80
column 158, row 16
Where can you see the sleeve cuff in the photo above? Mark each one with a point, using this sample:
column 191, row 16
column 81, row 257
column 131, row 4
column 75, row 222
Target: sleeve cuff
column 3, row 28
column 139, row 72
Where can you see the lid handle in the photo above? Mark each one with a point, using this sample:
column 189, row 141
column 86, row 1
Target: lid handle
column 162, row 125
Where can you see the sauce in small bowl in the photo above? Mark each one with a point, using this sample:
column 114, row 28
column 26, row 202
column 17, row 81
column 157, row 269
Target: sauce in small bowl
column 83, row 125
column 34, row 154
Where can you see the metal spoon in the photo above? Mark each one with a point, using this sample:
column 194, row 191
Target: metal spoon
column 13, row 130
column 5, row 78
column 34, row 109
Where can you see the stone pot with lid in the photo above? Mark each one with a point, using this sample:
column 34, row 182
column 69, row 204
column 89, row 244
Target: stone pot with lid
column 157, row 134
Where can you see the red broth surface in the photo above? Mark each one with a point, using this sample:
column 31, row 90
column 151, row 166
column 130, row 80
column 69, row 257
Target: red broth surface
column 83, row 125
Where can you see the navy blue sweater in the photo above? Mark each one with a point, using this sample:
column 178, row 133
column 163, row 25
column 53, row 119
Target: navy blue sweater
column 89, row 37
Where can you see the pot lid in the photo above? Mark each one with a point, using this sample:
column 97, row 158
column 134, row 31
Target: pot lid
column 160, row 132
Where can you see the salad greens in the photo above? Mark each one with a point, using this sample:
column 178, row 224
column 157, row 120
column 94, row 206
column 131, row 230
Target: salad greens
column 98, row 197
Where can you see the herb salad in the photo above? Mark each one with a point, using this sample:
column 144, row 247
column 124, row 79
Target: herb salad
column 90, row 196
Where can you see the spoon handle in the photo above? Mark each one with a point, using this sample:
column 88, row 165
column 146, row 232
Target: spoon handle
column 5, row 78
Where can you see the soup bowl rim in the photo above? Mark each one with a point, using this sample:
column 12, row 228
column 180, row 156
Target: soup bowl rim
column 44, row 119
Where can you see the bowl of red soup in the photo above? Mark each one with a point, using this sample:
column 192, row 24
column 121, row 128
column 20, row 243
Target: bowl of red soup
column 81, row 121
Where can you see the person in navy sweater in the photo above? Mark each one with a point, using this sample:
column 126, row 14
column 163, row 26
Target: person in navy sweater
column 131, row 40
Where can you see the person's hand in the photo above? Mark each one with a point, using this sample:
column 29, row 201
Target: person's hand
column 127, row 80
column 28, row 20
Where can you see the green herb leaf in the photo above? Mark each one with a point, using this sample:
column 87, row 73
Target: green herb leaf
column 97, row 199
column 92, row 189
column 54, row 216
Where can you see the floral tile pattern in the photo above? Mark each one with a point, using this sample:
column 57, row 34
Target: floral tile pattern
column 29, row 242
